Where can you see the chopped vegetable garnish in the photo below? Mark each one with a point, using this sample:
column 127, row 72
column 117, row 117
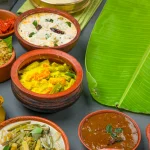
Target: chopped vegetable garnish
column 47, row 36
column 31, row 34
column 49, row 20
column 68, row 23
column 35, row 23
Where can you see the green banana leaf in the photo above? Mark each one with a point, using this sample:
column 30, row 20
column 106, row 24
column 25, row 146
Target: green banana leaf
column 118, row 56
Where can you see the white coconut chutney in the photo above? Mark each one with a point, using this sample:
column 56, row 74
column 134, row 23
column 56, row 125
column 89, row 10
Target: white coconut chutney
column 47, row 29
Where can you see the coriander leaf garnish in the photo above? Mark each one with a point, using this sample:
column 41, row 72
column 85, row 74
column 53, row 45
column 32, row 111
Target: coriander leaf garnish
column 49, row 20
column 35, row 23
column 31, row 34
column 68, row 23
column 47, row 36
column 109, row 128
column 118, row 130
column 114, row 134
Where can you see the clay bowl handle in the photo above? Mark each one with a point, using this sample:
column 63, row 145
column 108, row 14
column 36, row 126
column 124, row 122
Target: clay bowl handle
column 148, row 134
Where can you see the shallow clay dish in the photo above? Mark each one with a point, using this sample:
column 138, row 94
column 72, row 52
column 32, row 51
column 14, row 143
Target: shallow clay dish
column 32, row 118
column 28, row 46
column 104, row 112
column 46, row 102
column 4, row 14
column 5, row 69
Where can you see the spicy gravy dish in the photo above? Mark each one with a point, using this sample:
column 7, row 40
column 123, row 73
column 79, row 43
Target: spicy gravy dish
column 47, row 29
column 109, row 130
column 30, row 135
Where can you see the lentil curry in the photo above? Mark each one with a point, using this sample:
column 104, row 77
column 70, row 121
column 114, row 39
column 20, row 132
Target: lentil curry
column 109, row 130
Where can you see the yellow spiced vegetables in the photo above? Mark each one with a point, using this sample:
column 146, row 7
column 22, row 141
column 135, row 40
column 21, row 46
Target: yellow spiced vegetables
column 47, row 77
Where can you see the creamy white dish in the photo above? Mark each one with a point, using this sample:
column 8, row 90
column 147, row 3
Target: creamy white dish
column 60, row 1
column 47, row 29
column 28, row 135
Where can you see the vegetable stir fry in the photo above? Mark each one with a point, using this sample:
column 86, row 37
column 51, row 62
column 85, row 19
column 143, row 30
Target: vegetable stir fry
column 46, row 77
column 5, row 50
column 28, row 136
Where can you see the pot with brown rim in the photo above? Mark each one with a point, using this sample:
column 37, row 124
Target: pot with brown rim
column 47, row 30
column 109, row 130
column 9, row 125
column 5, row 69
column 46, row 102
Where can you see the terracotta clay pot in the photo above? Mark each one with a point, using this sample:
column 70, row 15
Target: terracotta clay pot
column 46, row 102
column 4, row 14
column 28, row 46
column 33, row 118
column 5, row 69
column 108, row 111
column 148, row 134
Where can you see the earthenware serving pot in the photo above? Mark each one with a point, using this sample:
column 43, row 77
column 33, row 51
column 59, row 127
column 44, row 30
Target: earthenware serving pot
column 148, row 134
column 39, row 119
column 5, row 69
column 104, row 112
column 46, row 102
column 28, row 46
column 5, row 14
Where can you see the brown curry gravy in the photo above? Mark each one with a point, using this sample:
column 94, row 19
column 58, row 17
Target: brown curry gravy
column 94, row 135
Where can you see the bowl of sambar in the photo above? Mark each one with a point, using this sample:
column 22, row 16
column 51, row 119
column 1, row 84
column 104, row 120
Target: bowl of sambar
column 109, row 129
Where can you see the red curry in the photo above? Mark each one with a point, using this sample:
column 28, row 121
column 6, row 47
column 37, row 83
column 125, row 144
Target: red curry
column 109, row 130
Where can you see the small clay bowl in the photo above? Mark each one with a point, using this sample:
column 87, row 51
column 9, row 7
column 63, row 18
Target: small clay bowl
column 46, row 102
column 39, row 119
column 5, row 69
column 108, row 111
column 148, row 134
column 4, row 14
column 28, row 46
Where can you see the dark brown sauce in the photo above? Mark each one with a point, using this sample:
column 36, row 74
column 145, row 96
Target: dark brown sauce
column 95, row 136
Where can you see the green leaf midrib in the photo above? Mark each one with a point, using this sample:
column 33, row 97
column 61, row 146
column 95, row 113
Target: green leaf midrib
column 134, row 76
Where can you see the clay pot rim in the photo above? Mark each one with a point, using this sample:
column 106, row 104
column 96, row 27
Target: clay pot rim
column 76, row 65
column 12, row 31
column 34, row 118
column 108, row 111
column 10, row 60
column 47, row 10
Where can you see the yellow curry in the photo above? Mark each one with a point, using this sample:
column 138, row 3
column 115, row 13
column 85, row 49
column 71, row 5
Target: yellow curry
column 47, row 77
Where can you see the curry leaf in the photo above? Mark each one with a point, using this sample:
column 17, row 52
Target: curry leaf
column 8, row 41
column 35, row 23
column 7, row 147
column 118, row 56
column 118, row 130
column 31, row 34
column 109, row 128
column 68, row 23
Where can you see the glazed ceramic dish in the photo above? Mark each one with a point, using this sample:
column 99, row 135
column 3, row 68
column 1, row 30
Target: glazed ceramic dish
column 113, row 129
column 47, row 28
column 5, row 69
column 7, row 127
column 70, row 6
column 46, row 102
column 4, row 14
